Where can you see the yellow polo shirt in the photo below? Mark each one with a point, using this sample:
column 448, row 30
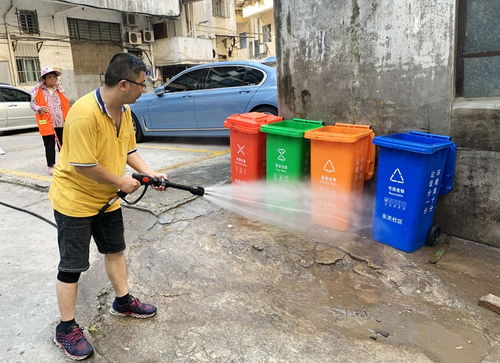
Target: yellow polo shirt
column 89, row 139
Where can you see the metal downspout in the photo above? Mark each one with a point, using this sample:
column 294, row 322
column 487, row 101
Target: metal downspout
column 13, row 70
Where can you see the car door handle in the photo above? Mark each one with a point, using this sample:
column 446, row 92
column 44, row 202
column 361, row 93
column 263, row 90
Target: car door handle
column 187, row 96
column 12, row 105
column 245, row 91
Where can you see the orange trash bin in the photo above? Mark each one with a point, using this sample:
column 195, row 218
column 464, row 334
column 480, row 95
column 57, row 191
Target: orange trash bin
column 248, row 145
column 342, row 158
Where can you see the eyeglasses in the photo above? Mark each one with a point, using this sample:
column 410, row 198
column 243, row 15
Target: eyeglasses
column 143, row 85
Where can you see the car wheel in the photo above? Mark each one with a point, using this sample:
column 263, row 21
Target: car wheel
column 139, row 136
column 267, row 109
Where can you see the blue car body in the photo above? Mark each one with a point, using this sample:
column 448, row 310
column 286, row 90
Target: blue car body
column 197, row 101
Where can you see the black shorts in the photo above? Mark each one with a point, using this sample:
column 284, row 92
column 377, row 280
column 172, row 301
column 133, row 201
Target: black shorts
column 74, row 233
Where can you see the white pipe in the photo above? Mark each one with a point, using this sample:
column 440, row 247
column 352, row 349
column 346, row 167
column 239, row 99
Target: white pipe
column 12, row 60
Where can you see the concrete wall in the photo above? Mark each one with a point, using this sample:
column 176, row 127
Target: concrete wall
column 182, row 50
column 391, row 65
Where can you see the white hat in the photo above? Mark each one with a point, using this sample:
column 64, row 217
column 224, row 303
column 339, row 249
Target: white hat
column 46, row 70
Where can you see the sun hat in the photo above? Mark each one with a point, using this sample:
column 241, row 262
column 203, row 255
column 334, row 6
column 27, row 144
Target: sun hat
column 47, row 70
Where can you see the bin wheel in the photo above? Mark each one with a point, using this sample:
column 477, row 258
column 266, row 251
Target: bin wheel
column 433, row 236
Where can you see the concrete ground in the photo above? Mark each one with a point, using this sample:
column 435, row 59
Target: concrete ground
column 229, row 288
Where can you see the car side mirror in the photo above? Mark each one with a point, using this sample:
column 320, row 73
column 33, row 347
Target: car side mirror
column 160, row 91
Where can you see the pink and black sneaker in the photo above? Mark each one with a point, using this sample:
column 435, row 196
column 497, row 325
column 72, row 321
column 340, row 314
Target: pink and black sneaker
column 134, row 308
column 74, row 343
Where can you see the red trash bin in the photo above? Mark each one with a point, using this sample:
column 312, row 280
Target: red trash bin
column 248, row 145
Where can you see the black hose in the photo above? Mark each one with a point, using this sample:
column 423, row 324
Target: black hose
column 32, row 213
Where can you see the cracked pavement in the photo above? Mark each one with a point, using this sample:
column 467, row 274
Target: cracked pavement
column 229, row 288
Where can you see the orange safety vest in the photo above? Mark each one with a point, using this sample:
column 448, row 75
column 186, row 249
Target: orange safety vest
column 43, row 119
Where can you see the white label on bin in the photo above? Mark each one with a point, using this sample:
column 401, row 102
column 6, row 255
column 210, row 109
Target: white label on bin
column 240, row 149
column 329, row 168
column 397, row 177
column 281, row 156
column 431, row 194
column 392, row 219
column 395, row 203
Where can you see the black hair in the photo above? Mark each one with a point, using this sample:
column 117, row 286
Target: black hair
column 123, row 66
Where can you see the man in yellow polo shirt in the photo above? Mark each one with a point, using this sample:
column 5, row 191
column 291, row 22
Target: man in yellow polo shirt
column 99, row 142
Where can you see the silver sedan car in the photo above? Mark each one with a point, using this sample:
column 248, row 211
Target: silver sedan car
column 15, row 111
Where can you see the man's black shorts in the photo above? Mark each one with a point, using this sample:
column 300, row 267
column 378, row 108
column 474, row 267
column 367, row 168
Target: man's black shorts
column 74, row 233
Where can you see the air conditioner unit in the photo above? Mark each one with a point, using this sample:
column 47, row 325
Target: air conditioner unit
column 148, row 36
column 129, row 19
column 135, row 38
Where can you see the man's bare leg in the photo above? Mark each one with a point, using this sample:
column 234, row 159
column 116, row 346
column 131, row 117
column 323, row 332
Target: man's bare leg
column 66, row 299
column 116, row 269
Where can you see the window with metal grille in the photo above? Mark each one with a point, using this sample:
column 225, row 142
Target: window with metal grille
column 266, row 31
column 28, row 21
column 221, row 8
column 478, row 49
column 28, row 69
column 243, row 40
column 94, row 31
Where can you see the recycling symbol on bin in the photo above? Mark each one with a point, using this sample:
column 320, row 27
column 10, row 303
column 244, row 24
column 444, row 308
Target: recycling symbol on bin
column 281, row 156
column 329, row 168
column 397, row 177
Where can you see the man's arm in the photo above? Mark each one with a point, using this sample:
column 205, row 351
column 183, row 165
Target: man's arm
column 135, row 161
column 102, row 175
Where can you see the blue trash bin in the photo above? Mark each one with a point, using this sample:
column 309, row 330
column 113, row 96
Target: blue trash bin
column 413, row 170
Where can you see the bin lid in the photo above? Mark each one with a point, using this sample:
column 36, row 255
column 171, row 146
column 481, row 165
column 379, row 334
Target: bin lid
column 293, row 128
column 340, row 132
column 414, row 141
column 251, row 121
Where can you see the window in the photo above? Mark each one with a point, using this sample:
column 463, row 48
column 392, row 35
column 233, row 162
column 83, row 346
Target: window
column 187, row 82
column 13, row 95
column 266, row 31
column 97, row 31
column 253, row 77
column 28, row 21
column 28, row 69
column 160, row 30
column 243, row 40
column 255, row 49
column 221, row 77
column 221, row 8
column 478, row 57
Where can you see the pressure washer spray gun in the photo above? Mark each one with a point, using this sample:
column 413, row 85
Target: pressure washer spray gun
column 162, row 182
column 148, row 180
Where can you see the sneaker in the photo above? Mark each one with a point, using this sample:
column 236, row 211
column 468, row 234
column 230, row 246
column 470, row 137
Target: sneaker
column 50, row 171
column 134, row 308
column 74, row 343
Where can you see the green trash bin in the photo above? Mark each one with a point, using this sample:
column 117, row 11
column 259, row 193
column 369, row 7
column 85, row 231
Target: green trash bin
column 287, row 151
column 287, row 161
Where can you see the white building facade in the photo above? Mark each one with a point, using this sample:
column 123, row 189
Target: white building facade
column 81, row 36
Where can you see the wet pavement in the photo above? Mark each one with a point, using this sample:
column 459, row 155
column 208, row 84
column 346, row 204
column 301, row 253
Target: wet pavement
column 230, row 288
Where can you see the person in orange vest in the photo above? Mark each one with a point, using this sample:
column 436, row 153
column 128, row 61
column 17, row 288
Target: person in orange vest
column 51, row 107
